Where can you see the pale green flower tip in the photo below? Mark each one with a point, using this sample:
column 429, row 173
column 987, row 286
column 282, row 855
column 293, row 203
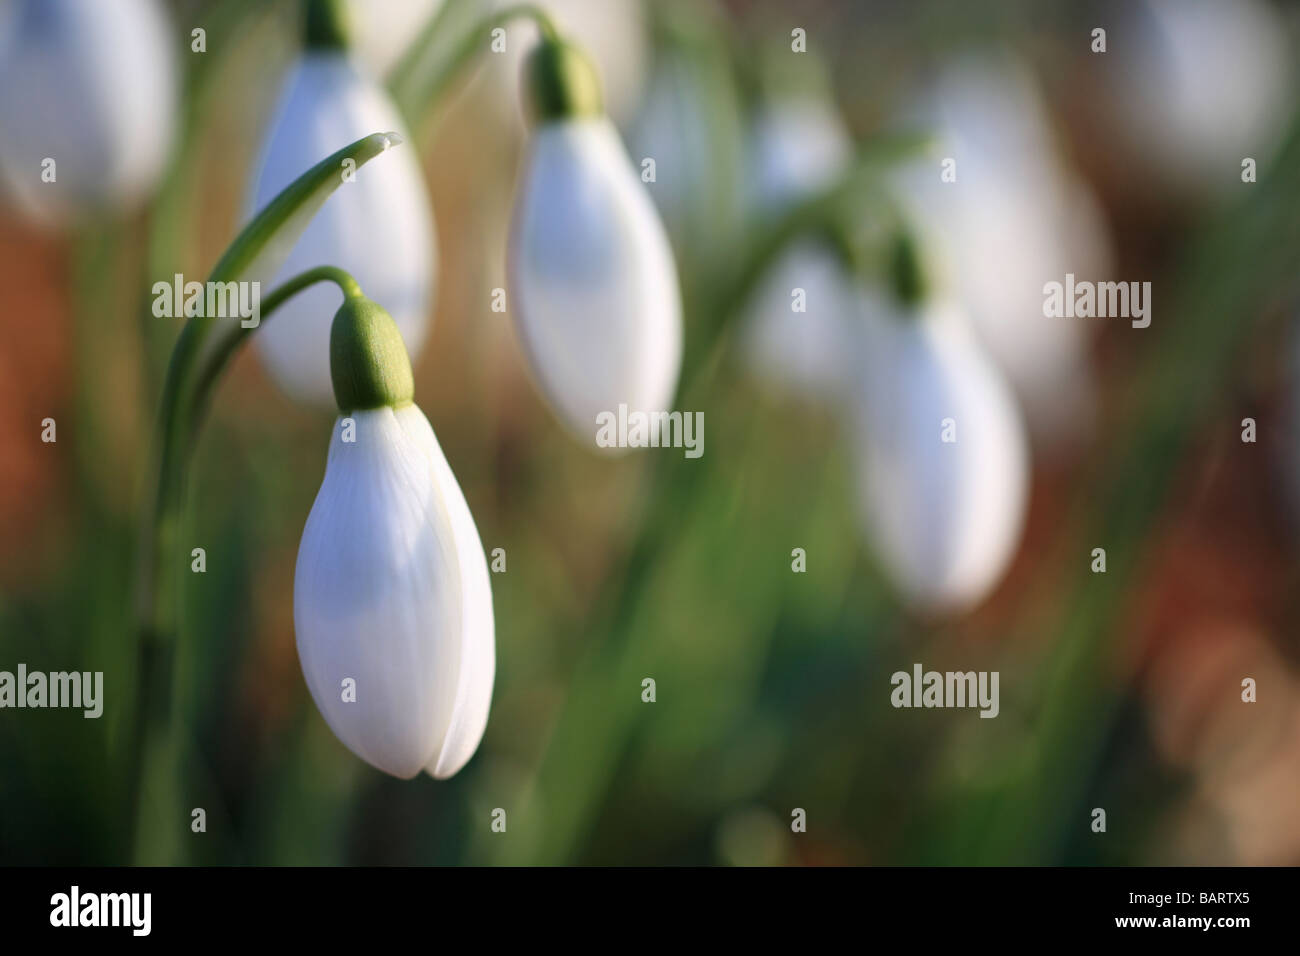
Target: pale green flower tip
column 907, row 270
column 325, row 25
column 562, row 82
column 369, row 365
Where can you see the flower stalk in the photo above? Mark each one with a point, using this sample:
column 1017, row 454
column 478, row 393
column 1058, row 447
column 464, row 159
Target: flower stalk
column 417, row 96
column 201, row 354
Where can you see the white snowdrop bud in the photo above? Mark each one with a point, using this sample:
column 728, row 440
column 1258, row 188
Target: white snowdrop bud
column 378, row 225
column 594, row 286
column 799, row 146
column 1198, row 85
column 88, row 110
column 690, row 124
column 1014, row 219
column 391, row 589
column 943, row 463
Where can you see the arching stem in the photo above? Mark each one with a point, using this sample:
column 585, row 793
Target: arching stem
column 416, row 98
column 192, row 377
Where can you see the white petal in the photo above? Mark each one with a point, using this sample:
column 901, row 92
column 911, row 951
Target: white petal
column 93, row 87
column 378, row 227
column 674, row 128
column 810, row 351
column 798, row 148
column 1200, row 84
column 1013, row 220
column 379, row 597
column 943, row 517
column 478, row 642
column 595, row 291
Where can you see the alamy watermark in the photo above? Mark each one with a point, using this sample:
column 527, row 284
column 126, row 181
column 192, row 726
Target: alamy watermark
column 76, row 689
column 1102, row 300
column 947, row 689
column 213, row 300
column 626, row 429
column 74, row 908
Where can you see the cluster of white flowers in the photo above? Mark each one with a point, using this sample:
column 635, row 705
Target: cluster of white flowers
column 939, row 395
column 392, row 600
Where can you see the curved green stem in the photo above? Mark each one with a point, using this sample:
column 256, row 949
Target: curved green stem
column 256, row 251
column 157, row 650
column 416, row 98
column 215, row 360
column 200, row 354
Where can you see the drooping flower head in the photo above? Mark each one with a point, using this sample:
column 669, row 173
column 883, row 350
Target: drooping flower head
column 940, row 446
column 1007, row 218
column 799, row 318
column 392, row 602
column 594, row 286
column 329, row 100
column 89, row 104
column 1197, row 86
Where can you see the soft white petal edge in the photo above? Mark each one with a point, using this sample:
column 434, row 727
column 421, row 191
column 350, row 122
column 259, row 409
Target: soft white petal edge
column 478, row 627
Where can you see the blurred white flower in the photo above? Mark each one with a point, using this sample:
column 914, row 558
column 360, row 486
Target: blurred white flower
column 1013, row 220
column 798, row 147
column 672, row 128
column 1199, row 85
column 383, row 30
column 91, row 86
column 808, row 352
column 688, row 124
column 378, row 226
column 594, row 285
column 944, row 517
column 392, row 602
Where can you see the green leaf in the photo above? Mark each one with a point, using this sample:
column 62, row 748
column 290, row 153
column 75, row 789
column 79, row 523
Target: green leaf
column 264, row 244
column 258, row 251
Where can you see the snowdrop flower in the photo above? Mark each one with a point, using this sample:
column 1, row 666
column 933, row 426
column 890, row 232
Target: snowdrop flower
column 88, row 109
column 329, row 101
column 808, row 352
column 941, row 453
column 1199, row 85
column 595, row 291
column 799, row 146
column 392, row 603
column 1012, row 221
